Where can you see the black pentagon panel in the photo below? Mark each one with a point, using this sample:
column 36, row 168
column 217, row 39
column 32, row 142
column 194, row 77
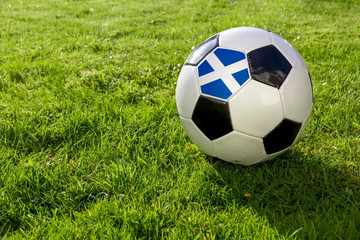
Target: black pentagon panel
column 268, row 65
column 282, row 136
column 202, row 50
column 212, row 117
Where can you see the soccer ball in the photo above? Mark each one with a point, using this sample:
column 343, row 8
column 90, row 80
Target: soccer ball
column 244, row 95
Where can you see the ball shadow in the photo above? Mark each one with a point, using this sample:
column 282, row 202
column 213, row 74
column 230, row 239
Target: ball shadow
column 296, row 192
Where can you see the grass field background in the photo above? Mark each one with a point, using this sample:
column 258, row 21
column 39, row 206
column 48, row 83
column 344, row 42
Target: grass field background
column 90, row 141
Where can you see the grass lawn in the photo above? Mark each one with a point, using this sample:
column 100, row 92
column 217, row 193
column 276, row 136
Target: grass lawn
column 90, row 141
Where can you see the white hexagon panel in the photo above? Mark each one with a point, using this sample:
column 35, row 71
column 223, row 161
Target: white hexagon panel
column 245, row 38
column 256, row 109
column 297, row 86
column 187, row 91
column 227, row 148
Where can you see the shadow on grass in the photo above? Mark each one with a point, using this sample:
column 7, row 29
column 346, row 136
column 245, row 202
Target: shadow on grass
column 298, row 193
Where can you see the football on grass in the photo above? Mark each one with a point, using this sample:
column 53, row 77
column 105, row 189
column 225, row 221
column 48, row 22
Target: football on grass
column 244, row 95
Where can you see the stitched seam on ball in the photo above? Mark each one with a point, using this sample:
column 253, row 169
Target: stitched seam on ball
column 211, row 141
column 241, row 87
column 232, row 48
column 248, row 135
column 301, row 69
column 282, row 103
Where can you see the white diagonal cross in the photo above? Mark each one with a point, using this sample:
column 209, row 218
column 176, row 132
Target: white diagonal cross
column 220, row 71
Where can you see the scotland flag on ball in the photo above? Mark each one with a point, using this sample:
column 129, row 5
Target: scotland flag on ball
column 222, row 73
